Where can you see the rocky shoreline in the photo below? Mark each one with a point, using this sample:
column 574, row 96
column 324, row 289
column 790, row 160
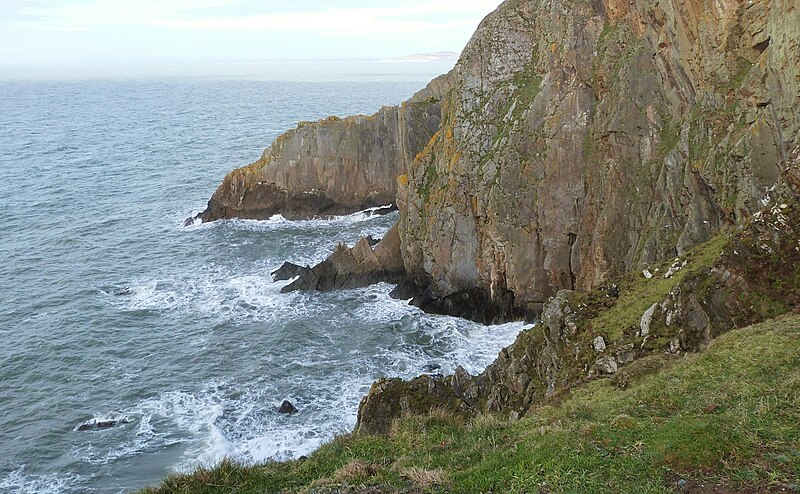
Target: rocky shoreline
column 627, row 171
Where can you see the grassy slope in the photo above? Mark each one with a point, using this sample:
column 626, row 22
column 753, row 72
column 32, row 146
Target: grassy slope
column 730, row 413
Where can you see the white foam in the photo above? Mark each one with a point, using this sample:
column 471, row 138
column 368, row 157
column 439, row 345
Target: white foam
column 212, row 422
column 111, row 417
column 278, row 222
column 181, row 417
column 212, row 293
column 19, row 482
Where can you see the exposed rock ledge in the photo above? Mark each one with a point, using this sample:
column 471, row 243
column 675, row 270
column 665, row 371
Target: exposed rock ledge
column 356, row 267
column 363, row 265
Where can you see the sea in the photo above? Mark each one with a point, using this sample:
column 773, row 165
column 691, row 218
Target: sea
column 112, row 311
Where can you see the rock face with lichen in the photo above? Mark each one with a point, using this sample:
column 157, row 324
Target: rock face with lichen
column 582, row 139
column 334, row 166
column 574, row 140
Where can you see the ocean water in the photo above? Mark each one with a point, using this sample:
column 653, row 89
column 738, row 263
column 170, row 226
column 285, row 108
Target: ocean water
column 110, row 309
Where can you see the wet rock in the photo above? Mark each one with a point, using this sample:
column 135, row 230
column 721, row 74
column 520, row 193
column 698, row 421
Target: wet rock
column 287, row 408
column 288, row 271
column 355, row 267
column 431, row 368
column 98, row 425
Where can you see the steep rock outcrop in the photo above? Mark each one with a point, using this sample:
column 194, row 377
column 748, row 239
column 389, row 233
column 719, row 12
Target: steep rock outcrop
column 582, row 139
column 573, row 141
column 738, row 278
column 334, row 166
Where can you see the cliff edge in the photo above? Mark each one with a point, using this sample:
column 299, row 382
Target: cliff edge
column 583, row 139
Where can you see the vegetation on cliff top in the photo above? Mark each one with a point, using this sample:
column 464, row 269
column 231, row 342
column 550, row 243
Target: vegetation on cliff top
column 729, row 416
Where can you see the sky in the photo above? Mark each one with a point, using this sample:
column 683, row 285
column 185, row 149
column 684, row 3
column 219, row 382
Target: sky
column 46, row 33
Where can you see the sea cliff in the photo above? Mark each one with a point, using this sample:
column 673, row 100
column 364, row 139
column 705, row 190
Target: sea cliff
column 573, row 141
column 625, row 171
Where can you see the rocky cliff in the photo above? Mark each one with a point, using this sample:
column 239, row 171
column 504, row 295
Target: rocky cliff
column 628, row 170
column 574, row 140
column 582, row 139
column 741, row 276
column 334, row 166
column 633, row 163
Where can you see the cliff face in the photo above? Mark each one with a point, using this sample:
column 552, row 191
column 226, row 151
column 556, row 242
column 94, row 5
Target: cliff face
column 334, row 166
column 573, row 141
column 741, row 276
column 581, row 139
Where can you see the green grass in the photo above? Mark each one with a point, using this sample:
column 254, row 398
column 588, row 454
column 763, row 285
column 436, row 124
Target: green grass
column 731, row 413
column 637, row 294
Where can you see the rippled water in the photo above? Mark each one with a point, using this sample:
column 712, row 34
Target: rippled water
column 111, row 310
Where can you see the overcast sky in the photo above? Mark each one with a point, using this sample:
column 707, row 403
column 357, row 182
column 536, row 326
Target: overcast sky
column 66, row 32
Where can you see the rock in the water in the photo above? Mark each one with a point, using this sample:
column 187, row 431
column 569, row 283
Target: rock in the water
column 288, row 271
column 287, row 407
column 103, row 424
column 356, row 267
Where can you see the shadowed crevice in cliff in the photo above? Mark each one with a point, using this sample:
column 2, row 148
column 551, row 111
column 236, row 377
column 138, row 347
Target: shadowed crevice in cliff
column 475, row 304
